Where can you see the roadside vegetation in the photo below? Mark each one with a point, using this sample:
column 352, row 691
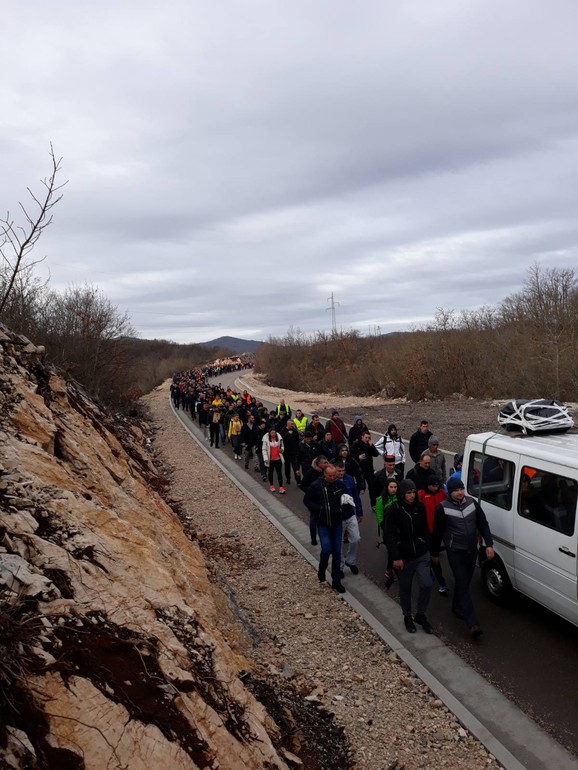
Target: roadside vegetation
column 524, row 347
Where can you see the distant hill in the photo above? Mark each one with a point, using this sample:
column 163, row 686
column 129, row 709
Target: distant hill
column 234, row 344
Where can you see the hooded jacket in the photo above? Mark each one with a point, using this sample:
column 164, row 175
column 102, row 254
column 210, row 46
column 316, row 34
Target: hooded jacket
column 391, row 445
column 405, row 527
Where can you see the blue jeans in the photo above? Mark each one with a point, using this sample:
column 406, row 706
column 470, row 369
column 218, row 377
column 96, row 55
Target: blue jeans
column 463, row 564
column 330, row 539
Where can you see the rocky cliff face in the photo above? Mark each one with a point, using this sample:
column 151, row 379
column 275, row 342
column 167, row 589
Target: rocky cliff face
column 110, row 656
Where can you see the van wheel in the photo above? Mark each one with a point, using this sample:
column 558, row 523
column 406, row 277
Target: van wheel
column 496, row 582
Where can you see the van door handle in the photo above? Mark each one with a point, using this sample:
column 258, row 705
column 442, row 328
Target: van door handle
column 567, row 552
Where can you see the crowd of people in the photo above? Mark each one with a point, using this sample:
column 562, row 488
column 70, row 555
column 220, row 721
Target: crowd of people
column 419, row 513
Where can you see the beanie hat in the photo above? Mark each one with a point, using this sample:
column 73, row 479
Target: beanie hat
column 454, row 483
column 357, row 417
column 389, row 458
column 433, row 440
column 432, row 479
column 405, row 486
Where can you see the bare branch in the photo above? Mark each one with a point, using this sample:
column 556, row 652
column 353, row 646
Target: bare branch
column 16, row 241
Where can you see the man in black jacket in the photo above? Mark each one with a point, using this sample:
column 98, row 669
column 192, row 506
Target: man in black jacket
column 250, row 439
column 291, row 440
column 457, row 522
column 363, row 450
column 421, row 472
column 418, row 441
column 327, row 498
column 315, row 472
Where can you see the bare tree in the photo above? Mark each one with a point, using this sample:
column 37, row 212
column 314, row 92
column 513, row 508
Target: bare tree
column 84, row 335
column 546, row 312
column 17, row 241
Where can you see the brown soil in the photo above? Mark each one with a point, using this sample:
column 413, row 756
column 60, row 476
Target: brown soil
column 451, row 420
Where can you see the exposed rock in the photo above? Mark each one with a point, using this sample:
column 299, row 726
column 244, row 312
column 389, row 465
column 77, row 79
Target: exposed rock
column 108, row 634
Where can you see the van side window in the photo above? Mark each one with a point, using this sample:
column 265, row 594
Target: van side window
column 548, row 499
column 490, row 478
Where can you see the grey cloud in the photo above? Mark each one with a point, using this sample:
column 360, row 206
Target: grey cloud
column 231, row 166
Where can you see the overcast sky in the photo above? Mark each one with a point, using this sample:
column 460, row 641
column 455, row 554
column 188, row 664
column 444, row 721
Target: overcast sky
column 231, row 164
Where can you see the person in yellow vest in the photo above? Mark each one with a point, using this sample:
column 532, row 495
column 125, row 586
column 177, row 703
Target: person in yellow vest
column 300, row 422
column 283, row 407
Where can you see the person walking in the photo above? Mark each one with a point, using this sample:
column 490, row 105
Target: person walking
column 457, row 522
column 327, row 498
column 391, row 444
column 418, row 441
column 438, row 460
column 407, row 540
column 337, row 428
column 384, row 501
column 351, row 521
column 272, row 449
column 431, row 497
column 421, row 472
column 364, row 451
column 315, row 472
column 215, row 421
column 234, row 435
column 291, row 443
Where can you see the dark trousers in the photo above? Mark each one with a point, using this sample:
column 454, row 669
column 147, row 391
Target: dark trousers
column 463, row 564
column 276, row 465
column 214, row 432
column 419, row 567
column 291, row 462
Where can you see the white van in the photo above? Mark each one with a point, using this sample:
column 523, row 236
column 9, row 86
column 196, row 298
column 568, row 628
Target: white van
column 528, row 488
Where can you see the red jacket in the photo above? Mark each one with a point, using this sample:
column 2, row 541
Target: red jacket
column 430, row 501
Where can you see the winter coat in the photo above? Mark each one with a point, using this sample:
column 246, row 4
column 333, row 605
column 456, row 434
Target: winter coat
column 418, row 443
column 406, row 532
column 307, row 453
column 324, row 501
column 419, row 476
column 366, row 462
column 266, row 448
column 382, row 503
column 431, row 502
column 438, row 465
column 338, row 430
column 387, row 445
column 291, row 442
column 458, row 524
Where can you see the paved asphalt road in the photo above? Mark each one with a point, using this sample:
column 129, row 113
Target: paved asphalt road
column 527, row 652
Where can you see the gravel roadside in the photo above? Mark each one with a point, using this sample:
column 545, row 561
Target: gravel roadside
column 300, row 632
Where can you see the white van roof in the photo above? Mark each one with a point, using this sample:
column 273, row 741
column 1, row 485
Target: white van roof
column 559, row 448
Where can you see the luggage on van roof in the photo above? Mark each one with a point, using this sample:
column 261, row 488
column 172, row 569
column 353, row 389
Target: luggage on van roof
column 537, row 415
